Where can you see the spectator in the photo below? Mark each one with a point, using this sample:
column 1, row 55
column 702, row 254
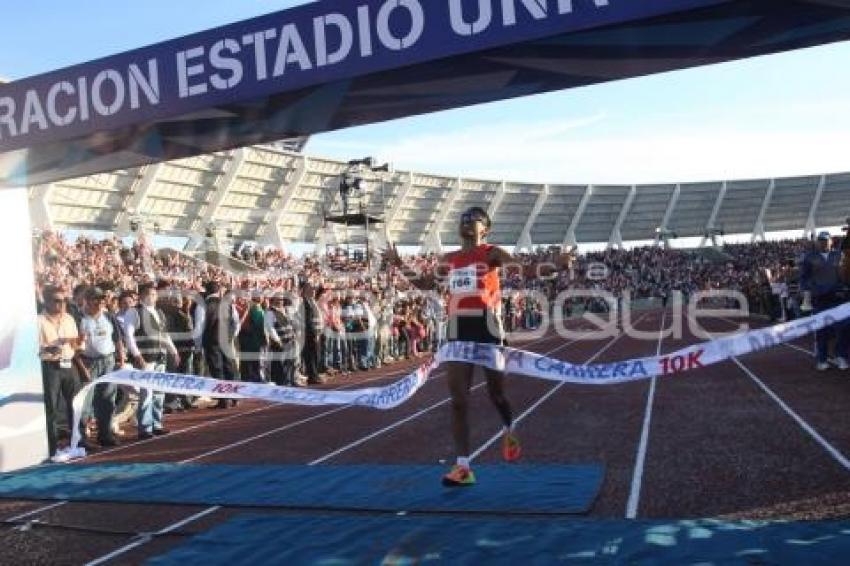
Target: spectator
column 59, row 343
column 252, row 340
column 220, row 324
column 103, row 352
column 177, row 307
column 282, row 348
column 819, row 275
column 312, row 320
column 378, row 329
column 149, row 345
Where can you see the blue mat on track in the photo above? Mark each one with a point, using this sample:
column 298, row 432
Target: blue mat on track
column 500, row 488
column 257, row 539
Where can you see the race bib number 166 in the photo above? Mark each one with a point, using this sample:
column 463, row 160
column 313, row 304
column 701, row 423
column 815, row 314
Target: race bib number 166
column 463, row 280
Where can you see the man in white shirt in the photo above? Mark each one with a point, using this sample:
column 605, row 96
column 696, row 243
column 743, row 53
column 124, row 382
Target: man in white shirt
column 104, row 351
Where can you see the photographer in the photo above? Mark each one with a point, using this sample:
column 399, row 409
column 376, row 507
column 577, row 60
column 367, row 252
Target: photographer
column 819, row 276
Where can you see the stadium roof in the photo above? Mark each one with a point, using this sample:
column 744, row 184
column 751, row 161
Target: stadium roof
column 265, row 194
column 329, row 65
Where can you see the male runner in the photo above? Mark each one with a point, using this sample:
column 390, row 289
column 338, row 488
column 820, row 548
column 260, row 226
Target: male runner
column 472, row 275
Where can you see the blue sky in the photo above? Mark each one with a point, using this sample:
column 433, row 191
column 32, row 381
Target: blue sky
column 780, row 115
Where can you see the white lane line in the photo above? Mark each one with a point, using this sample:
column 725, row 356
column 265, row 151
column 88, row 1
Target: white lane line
column 205, row 424
column 182, row 431
column 834, row 452
column 35, row 512
column 250, row 439
column 199, row 426
column 146, row 538
column 807, row 428
column 799, row 349
column 640, row 460
column 65, row 502
column 411, row 417
column 543, row 399
column 384, row 430
column 318, row 416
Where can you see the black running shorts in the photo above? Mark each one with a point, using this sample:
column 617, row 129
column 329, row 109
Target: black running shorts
column 481, row 329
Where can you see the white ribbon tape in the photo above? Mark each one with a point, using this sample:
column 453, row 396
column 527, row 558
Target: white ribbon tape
column 508, row 360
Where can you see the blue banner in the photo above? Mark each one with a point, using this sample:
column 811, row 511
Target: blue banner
column 308, row 45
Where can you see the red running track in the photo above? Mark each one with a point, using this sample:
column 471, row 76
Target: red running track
column 764, row 437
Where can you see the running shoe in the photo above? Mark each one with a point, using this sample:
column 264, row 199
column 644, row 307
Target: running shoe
column 459, row 476
column 511, row 449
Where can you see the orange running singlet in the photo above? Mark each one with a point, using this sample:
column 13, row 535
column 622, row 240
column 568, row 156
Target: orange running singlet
column 472, row 283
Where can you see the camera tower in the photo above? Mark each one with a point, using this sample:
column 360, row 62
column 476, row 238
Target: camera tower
column 354, row 212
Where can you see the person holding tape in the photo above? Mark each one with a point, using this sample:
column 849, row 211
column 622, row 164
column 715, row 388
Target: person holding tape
column 472, row 275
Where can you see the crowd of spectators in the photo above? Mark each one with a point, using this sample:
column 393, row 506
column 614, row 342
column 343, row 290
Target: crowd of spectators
column 300, row 320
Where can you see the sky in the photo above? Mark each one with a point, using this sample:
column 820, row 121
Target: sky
column 773, row 116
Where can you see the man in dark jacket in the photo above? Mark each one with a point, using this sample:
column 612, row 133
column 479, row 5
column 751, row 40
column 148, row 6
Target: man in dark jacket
column 219, row 330
column 283, row 345
column 176, row 308
column 819, row 276
column 313, row 327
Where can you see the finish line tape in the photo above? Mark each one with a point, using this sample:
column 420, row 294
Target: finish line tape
column 503, row 359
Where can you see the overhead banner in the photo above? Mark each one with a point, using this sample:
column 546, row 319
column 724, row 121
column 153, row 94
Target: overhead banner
column 330, row 65
column 507, row 360
column 319, row 42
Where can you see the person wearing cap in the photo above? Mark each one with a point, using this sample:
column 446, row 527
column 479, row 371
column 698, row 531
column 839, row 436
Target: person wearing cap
column 820, row 277
column 474, row 315
column 59, row 342
column 103, row 352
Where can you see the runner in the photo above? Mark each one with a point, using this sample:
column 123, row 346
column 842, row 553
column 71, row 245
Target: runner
column 472, row 275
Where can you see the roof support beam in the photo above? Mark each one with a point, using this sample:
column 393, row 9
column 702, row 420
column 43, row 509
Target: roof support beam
column 222, row 187
column 616, row 239
column 525, row 243
column 758, row 229
column 397, row 203
column 668, row 214
column 141, row 189
column 40, row 213
column 713, row 218
column 811, row 227
column 272, row 235
column 570, row 237
column 433, row 241
column 497, row 201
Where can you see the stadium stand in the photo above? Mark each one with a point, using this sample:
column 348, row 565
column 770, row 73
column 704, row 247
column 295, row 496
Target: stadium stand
column 275, row 196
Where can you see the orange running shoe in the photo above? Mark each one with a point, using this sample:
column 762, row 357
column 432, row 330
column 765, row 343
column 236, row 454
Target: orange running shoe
column 511, row 449
column 459, row 476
